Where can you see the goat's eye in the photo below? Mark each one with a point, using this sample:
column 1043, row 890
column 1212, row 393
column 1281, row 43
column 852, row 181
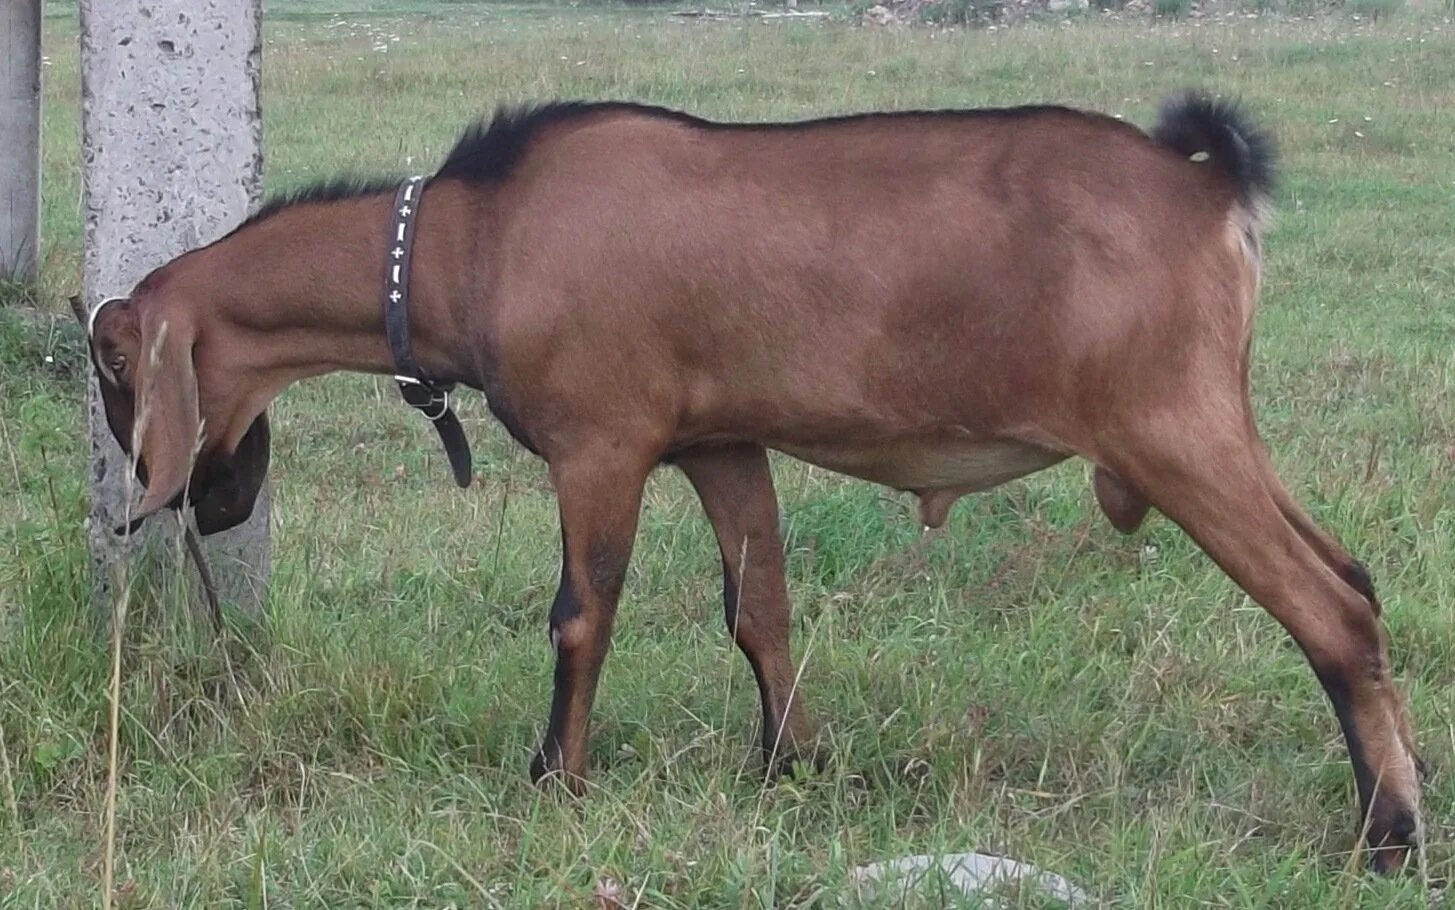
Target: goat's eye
column 117, row 363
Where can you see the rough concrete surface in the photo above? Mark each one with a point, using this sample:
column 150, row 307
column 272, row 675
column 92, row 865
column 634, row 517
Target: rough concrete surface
column 19, row 138
column 172, row 149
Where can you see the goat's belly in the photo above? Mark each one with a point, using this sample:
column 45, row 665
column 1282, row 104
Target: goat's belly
column 938, row 472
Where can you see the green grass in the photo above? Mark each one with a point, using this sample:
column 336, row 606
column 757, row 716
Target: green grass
column 1027, row 682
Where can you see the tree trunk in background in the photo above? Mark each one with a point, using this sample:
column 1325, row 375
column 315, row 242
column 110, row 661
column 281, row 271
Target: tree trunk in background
column 172, row 146
column 19, row 138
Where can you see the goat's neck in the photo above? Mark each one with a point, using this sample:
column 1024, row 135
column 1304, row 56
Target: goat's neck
column 298, row 293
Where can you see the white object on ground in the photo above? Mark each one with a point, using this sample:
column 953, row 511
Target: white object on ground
column 972, row 873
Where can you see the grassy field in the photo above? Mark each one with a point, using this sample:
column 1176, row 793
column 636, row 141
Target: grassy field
column 1026, row 682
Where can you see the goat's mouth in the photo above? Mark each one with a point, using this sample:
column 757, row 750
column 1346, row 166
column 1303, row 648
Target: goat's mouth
column 225, row 501
column 224, row 488
column 230, row 484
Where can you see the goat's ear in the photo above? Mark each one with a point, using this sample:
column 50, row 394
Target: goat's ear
column 167, row 423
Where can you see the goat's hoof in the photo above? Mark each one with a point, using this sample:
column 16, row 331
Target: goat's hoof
column 1393, row 839
column 794, row 761
column 549, row 775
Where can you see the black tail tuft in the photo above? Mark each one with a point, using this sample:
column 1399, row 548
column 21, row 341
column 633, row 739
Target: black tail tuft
column 1195, row 124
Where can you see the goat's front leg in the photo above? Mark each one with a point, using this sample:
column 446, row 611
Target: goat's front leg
column 599, row 496
column 736, row 489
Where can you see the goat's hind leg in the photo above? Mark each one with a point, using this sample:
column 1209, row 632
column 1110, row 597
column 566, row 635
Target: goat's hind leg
column 1224, row 494
column 1342, row 563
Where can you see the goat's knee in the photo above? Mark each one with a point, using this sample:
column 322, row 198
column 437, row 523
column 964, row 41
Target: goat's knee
column 566, row 630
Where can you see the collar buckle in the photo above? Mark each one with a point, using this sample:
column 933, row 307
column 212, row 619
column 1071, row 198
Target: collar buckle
column 429, row 398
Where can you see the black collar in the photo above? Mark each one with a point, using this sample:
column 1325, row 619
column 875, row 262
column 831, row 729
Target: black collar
column 430, row 398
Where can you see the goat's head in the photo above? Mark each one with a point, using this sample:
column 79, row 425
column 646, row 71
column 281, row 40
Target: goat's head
column 192, row 435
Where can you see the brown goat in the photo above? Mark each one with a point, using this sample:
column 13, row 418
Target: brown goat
column 939, row 302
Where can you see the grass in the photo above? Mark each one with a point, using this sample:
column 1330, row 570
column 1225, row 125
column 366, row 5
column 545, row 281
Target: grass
column 1374, row 9
column 1027, row 682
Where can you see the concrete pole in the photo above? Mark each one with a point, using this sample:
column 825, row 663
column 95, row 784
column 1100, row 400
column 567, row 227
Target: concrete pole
column 172, row 149
column 19, row 138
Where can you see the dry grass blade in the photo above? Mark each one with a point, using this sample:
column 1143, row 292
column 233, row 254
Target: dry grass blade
column 204, row 573
column 118, row 620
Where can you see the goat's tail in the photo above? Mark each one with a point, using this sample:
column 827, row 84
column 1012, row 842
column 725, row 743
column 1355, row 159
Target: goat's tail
column 1205, row 129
